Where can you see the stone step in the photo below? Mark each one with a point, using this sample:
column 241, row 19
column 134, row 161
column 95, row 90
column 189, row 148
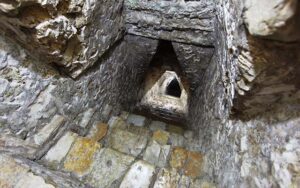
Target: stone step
column 47, row 131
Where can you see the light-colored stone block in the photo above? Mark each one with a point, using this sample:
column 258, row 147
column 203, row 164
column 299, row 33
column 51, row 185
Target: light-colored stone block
column 157, row 125
column 48, row 130
column 32, row 181
column 139, row 175
column 156, row 154
column 61, row 148
column 127, row 142
column 136, row 120
column 167, row 179
column 109, row 166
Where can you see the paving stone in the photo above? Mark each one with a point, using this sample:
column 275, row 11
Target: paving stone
column 157, row 125
column 136, row 120
column 178, row 157
column 32, row 181
column 152, row 153
column 176, row 140
column 108, row 167
column 167, row 179
column 56, row 154
column 184, row 182
column 117, row 122
column 156, row 154
column 10, row 171
column 14, row 175
column 164, row 156
column 194, row 163
column 80, row 157
column 48, row 130
column 161, row 137
column 98, row 131
column 127, row 142
column 138, row 176
column 175, row 129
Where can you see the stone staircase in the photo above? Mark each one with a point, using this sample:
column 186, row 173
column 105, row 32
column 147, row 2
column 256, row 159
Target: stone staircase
column 130, row 151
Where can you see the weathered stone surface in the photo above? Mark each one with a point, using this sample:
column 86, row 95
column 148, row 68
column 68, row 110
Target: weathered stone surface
column 175, row 129
column 56, row 154
column 138, row 176
column 161, row 137
column 108, row 168
column 193, row 165
column 30, row 180
column 136, row 120
column 157, row 125
column 178, row 157
column 188, row 22
column 176, row 140
column 157, row 154
column 127, row 142
column 276, row 19
column 13, row 174
column 99, row 131
column 74, row 42
column 49, row 130
column 167, row 179
column 81, row 156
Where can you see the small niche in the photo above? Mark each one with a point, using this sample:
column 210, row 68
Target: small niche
column 173, row 88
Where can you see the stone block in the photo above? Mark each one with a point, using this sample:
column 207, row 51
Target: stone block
column 56, row 154
column 161, row 137
column 98, row 131
column 81, row 156
column 48, row 130
column 136, row 120
column 178, row 157
column 157, row 125
column 138, row 176
column 14, row 175
column 127, row 142
column 108, row 167
column 176, row 140
column 193, row 166
column 156, row 154
column 167, row 179
column 117, row 122
column 175, row 129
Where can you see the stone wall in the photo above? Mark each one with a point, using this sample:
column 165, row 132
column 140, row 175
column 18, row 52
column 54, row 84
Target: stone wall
column 71, row 34
column 32, row 92
column 187, row 22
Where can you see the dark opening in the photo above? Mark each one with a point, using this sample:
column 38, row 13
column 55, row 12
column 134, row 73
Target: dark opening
column 173, row 88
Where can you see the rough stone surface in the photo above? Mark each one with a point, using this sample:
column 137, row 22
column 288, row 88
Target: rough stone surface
column 188, row 22
column 81, row 156
column 127, row 142
column 48, row 130
column 276, row 19
column 61, row 148
column 136, row 120
column 115, row 164
column 138, row 176
column 74, row 42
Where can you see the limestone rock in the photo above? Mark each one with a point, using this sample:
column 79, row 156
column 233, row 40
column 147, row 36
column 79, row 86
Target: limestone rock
column 61, row 148
column 274, row 19
column 138, row 176
column 81, row 156
column 136, row 120
column 127, row 142
column 108, row 167
column 48, row 130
